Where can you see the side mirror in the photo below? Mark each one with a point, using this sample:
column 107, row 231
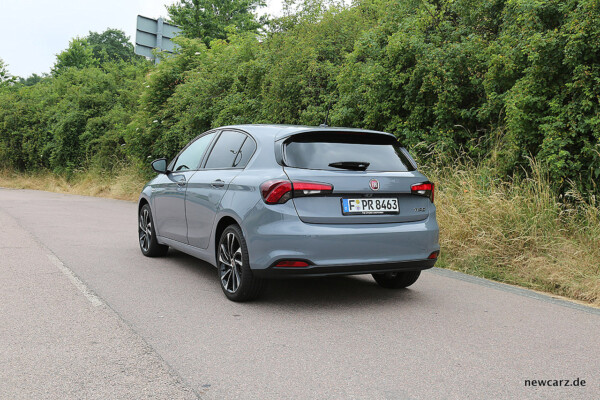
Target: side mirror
column 160, row 165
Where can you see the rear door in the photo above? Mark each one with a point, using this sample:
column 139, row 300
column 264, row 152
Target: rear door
column 370, row 175
column 206, row 188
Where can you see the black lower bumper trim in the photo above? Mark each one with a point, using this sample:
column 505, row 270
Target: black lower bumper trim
column 352, row 269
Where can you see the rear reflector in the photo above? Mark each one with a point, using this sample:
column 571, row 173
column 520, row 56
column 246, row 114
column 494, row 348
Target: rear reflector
column 426, row 189
column 434, row 255
column 279, row 191
column 292, row 264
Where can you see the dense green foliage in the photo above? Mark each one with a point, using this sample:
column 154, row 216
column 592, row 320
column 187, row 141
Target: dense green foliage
column 493, row 79
column 78, row 55
column 95, row 49
column 76, row 119
column 31, row 80
column 213, row 19
column 110, row 45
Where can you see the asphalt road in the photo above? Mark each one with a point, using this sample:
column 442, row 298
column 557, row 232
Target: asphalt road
column 84, row 315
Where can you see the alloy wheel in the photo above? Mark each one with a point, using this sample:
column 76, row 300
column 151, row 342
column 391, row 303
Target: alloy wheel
column 145, row 230
column 230, row 263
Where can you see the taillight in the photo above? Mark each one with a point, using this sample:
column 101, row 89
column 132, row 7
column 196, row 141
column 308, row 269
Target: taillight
column 310, row 188
column 279, row 191
column 276, row 191
column 426, row 189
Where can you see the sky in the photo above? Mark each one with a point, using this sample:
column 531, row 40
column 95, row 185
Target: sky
column 32, row 32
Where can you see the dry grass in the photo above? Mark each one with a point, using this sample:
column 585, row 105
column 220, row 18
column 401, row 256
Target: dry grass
column 518, row 232
column 513, row 232
column 125, row 184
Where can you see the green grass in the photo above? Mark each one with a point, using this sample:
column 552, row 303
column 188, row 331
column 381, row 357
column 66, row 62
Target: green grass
column 518, row 232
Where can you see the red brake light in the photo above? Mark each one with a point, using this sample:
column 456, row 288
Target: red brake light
column 279, row 191
column 426, row 189
column 276, row 191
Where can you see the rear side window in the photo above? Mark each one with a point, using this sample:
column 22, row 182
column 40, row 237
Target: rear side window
column 245, row 153
column 225, row 151
column 345, row 151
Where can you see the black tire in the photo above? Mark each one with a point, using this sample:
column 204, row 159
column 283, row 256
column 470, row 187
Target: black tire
column 147, row 235
column 396, row 279
column 233, row 266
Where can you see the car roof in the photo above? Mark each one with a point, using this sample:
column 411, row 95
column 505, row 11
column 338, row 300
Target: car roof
column 278, row 132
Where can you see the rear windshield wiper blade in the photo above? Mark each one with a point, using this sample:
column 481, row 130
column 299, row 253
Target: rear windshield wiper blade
column 351, row 165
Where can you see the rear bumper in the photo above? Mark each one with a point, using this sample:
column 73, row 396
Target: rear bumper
column 332, row 249
column 352, row 269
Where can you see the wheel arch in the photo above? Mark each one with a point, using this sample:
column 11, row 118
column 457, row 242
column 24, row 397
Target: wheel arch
column 145, row 198
column 224, row 222
column 142, row 202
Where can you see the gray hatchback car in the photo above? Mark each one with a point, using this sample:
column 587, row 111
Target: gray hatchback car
column 270, row 201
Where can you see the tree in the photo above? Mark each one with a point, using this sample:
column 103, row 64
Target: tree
column 79, row 54
column 211, row 19
column 31, row 80
column 110, row 45
column 5, row 77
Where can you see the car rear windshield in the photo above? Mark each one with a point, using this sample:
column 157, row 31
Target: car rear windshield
column 345, row 151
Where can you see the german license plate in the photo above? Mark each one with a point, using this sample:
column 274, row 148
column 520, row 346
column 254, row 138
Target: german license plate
column 370, row 206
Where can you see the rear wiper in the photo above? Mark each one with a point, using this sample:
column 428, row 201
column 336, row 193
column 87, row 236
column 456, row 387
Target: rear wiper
column 351, row 165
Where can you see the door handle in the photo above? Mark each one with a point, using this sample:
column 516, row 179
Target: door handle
column 217, row 184
column 182, row 183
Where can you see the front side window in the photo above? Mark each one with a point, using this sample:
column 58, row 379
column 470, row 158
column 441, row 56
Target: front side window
column 189, row 159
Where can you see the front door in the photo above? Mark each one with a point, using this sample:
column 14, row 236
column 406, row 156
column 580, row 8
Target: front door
column 169, row 205
column 169, row 194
